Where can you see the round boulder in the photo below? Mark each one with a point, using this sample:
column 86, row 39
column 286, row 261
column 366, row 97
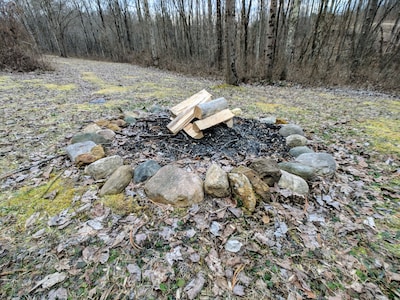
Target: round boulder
column 323, row 163
column 175, row 186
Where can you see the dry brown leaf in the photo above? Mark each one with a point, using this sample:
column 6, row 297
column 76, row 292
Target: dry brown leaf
column 194, row 287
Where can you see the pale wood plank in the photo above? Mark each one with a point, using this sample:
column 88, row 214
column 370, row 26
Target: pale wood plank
column 190, row 102
column 190, row 130
column 187, row 115
column 219, row 117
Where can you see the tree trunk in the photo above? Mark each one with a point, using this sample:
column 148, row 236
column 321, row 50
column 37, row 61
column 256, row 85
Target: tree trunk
column 260, row 38
column 364, row 42
column 230, row 39
column 244, row 35
column 271, row 42
column 289, row 48
column 219, row 53
column 151, row 34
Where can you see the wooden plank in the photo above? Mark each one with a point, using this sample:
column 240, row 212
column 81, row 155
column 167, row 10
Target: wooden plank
column 204, row 110
column 190, row 102
column 181, row 120
column 193, row 132
column 219, row 117
column 229, row 123
column 186, row 116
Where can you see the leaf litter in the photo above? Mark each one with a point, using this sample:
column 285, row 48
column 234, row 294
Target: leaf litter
column 338, row 243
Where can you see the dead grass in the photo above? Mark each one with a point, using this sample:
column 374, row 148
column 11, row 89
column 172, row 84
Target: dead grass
column 41, row 111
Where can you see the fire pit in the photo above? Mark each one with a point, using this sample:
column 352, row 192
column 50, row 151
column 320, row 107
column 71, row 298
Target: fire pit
column 149, row 138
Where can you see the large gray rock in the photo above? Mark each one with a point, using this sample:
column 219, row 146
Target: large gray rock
column 295, row 140
column 216, row 183
column 290, row 129
column 294, row 183
column 104, row 167
column 242, row 189
column 74, row 150
column 267, row 169
column 296, row 151
column 305, row 172
column 88, row 136
column 323, row 163
column 145, row 170
column 175, row 186
column 118, row 181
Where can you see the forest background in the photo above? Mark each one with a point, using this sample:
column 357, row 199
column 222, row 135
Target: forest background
column 317, row 42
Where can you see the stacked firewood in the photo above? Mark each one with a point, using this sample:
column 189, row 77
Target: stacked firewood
column 199, row 112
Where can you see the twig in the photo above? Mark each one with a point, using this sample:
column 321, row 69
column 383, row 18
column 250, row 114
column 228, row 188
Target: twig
column 5, row 273
column 236, row 274
column 27, row 168
column 51, row 184
column 133, row 244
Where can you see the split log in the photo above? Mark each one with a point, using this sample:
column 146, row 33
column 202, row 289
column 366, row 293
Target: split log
column 219, row 117
column 191, row 131
column 207, row 109
column 190, row 102
column 187, row 115
column 229, row 123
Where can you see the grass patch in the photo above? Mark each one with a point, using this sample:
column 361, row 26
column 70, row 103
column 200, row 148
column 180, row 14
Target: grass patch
column 92, row 78
column 27, row 200
column 385, row 135
column 7, row 84
column 112, row 89
column 225, row 86
column 119, row 203
column 59, row 87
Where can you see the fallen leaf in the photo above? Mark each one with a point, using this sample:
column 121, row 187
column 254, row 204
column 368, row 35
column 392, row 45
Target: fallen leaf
column 174, row 255
column 281, row 229
column 214, row 263
column 194, row 287
column 215, row 227
column 51, row 280
column 233, row 246
column 238, row 290
column 58, row 294
column 32, row 219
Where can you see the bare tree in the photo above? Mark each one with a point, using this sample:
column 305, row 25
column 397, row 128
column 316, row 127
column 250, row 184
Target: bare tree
column 289, row 46
column 230, row 47
column 271, row 41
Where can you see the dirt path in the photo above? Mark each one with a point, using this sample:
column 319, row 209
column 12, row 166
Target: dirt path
column 39, row 112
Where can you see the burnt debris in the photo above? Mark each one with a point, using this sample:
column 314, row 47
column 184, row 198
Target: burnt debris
column 248, row 138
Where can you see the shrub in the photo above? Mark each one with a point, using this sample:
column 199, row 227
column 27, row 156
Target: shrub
column 18, row 51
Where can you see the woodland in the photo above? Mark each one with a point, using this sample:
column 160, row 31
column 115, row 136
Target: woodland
column 334, row 42
column 329, row 66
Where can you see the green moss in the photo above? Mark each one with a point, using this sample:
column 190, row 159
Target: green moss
column 225, row 86
column 119, row 204
column 6, row 83
column 33, row 81
column 27, row 200
column 112, row 89
column 92, row 78
column 59, row 87
column 359, row 251
column 385, row 135
column 4, row 79
column 268, row 107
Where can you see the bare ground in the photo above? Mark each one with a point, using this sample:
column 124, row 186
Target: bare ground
column 342, row 243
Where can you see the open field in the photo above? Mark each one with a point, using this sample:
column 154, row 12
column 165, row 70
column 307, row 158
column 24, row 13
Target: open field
column 355, row 258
